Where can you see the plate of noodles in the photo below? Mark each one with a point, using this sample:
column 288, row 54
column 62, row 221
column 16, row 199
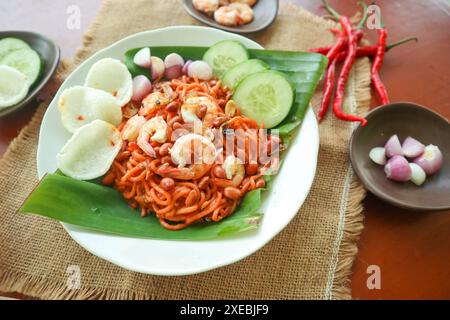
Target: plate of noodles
column 179, row 150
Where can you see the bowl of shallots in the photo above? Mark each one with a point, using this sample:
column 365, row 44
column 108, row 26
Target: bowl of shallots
column 402, row 156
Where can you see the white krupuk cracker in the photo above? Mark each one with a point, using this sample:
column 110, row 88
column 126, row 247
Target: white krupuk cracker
column 90, row 152
column 81, row 105
column 112, row 76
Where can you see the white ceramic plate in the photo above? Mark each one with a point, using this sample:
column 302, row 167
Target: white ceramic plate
column 162, row 257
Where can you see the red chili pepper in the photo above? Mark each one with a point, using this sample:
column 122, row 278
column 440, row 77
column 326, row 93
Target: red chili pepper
column 358, row 35
column 337, row 46
column 324, row 50
column 343, row 75
column 328, row 86
column 365, row 51
column 321, row 50
column 375, row 71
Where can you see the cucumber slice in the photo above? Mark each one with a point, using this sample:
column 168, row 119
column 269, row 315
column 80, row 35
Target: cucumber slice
column 13, row 86
column 232, row 77
column 224, row 55
column 11, row 44
column 265, row 96
column 26, row 61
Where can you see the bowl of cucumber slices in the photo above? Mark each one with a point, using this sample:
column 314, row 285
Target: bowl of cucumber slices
column 27, row 61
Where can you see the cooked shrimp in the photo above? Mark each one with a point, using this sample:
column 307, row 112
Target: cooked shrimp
column 251, row 3
column 206, row 6
column 234, row 14
column 245, row 12
column 165, row 87
column 152, row 101
column 181, row 153
column 130, row 109
column 226, row 16
column 131, row 130
column 156, row 99
column 203, row 106
column 154, row 129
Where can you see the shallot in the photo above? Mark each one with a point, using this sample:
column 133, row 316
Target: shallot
column 393, row 147
column 143, row 58
column 200, row 69
column 378, row 155
column 174, row 64
column 184, row 70
column 397, row 168
column 158, row 68
column 418, row 176
column 431, row 159
column 425, row 161
column 412, row 148
column 141, row 87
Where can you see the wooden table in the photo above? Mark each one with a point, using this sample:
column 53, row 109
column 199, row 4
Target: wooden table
column 412, row 249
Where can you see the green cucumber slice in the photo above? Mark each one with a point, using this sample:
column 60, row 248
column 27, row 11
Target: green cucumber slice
column 11, row 44
column 265, row 96
column 26, row 61
column 224, row 55
column 232, row 77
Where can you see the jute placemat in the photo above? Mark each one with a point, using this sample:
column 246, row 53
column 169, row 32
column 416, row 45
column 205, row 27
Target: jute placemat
column 310, row 259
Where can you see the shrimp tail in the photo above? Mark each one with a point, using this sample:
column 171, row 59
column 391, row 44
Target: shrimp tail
column 149, row 151
column 176, row 173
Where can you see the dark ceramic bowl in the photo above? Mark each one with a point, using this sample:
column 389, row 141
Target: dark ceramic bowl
column 49, row 53
column 404, row 119
column 265, row 12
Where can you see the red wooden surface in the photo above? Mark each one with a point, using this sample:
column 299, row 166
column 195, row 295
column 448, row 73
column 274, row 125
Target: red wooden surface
column 411, row 248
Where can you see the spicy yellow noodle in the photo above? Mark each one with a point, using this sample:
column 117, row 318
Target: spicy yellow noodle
column 152, row 183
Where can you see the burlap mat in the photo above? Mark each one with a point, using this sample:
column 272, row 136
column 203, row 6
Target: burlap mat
column 310, row 259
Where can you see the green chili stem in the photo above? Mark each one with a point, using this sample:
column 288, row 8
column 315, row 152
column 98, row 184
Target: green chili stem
column 331, row 10
column 393, row 45
column 365, row 14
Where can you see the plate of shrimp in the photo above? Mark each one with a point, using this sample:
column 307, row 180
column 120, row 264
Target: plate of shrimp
column 239, row 16
column 160, row 140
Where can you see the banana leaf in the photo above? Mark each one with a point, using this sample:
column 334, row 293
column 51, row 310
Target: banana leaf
column 90, row 205
column 100, row 208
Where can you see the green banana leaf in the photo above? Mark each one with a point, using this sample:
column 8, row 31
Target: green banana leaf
column 101, row 208
column 96, row 207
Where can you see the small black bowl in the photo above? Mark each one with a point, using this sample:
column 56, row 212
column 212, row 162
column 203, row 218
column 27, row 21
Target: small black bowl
column 49, row 53
column 404, row 119
column 264, row 13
